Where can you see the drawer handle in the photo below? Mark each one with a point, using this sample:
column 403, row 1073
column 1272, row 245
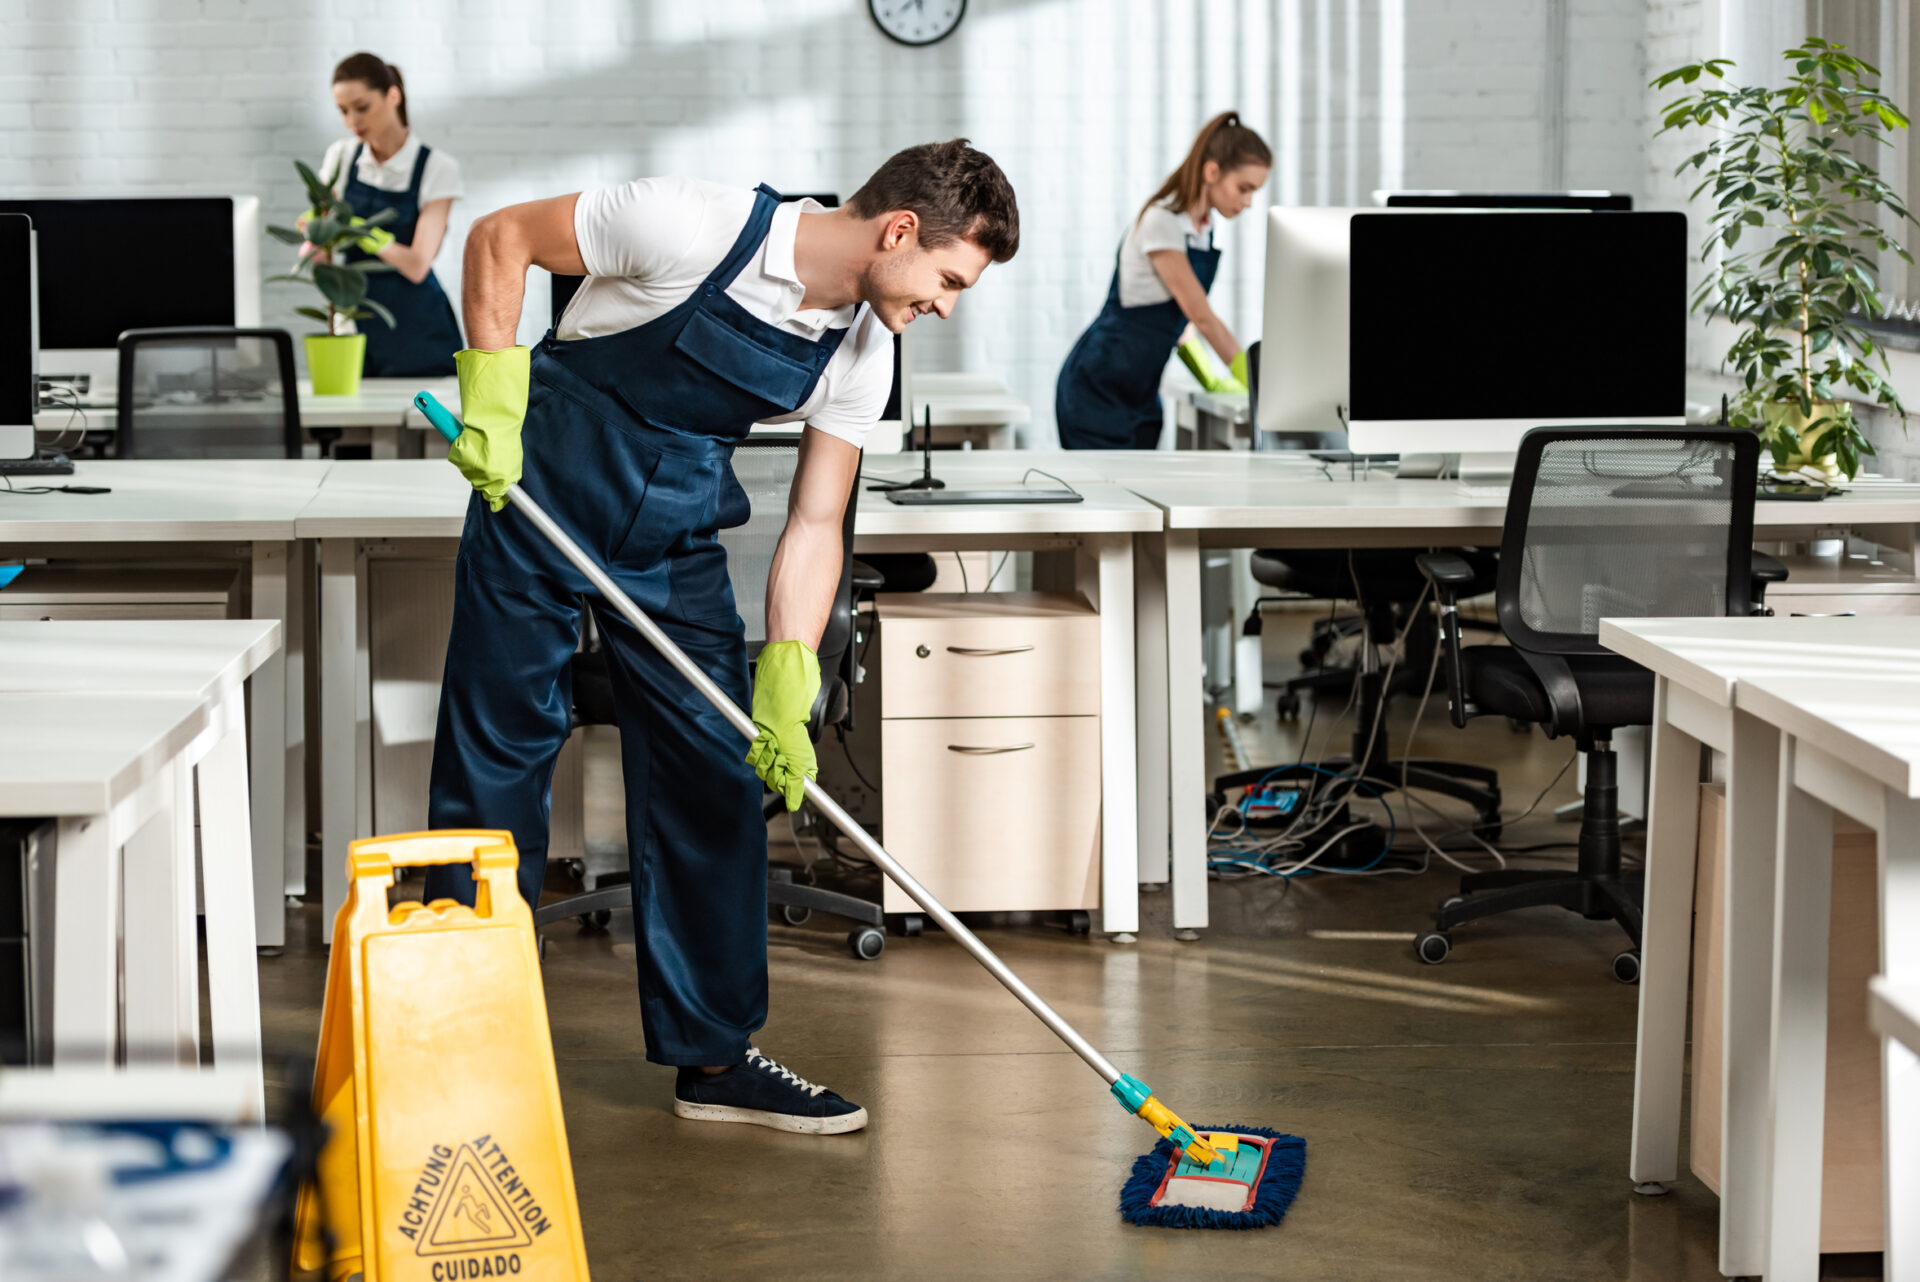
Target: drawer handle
column 987, row 752
column 969, row 650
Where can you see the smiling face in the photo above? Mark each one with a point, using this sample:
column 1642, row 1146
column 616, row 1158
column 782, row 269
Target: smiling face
column 368, row 113
column 903, row 280
column 1228, row 194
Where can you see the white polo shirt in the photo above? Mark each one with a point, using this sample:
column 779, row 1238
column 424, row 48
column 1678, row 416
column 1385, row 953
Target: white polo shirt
column 649, row 244
column 440, row 181
column 1159, row 228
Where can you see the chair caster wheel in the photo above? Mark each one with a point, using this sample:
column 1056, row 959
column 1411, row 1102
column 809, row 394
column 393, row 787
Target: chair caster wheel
column 912, row 924
column 1433, row 946
column 595, row 920
column 867, row 943
column 1451, row 901
column 1288, row 706
column 1310, row 659
column 543, row 947
column 1079, row 922
column 794, row 915
column 1626, row 966
column 577, row 869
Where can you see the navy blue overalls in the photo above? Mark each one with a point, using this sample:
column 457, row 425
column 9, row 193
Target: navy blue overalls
column 628, row 442
column 422, row 342
column 1108, row 394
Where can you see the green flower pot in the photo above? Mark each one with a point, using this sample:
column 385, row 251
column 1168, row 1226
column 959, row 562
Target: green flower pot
column 334, row 362
column 1813, row 454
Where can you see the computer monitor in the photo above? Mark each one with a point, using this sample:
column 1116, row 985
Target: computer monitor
column 19, row 381
column 1303, row 338
column 1465, row 330
column 1590, row 201
column 200, row 265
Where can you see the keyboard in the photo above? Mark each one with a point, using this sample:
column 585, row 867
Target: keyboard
column 58, row 465
column 1484, row 491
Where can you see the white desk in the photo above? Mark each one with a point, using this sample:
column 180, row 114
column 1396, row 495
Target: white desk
column 208, row 660
column 1235, row 500
column 968, row 401
column 105, row 766
column 204, row 508
column 1702, row 668
column 1852, row 744
column 387, row 506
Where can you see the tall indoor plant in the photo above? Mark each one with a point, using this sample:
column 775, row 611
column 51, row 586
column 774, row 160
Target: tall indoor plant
column 1791, row 164
column 334, row 359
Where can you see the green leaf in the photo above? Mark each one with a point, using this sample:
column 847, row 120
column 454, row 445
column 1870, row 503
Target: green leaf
column 325, row 231
column 380, row 311
column 300, row 277
column 312, row 313
column 382, row 218
column 287, row 235
column 319, row 194
column 343, row 286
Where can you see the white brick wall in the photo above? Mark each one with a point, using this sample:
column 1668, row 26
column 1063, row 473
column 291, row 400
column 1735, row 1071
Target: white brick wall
column 1086, row 103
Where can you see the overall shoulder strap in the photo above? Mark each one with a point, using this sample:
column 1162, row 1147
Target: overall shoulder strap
column 419, row 171
column 764, row 200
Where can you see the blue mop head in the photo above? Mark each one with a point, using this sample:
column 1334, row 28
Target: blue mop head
column 1253, row 1191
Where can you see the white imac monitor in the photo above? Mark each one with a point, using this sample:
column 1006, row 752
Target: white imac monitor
column 1467, row 329
column 19, row 315
column 91, row 290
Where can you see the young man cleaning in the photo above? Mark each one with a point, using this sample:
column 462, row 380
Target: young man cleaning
column 706, row 309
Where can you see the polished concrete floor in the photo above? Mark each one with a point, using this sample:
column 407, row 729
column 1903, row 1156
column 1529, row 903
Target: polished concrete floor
column 1466, row 1121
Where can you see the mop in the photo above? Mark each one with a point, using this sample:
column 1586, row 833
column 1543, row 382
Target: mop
column 1230, row 1177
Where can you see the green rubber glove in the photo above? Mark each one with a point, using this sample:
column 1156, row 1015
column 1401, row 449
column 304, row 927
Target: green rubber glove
column 1238, row 369
column 493, row 404
column 375, row 240
column 1194, row 357
column 786, row 681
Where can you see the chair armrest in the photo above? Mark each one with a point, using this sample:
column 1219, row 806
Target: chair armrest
column 866, row 578
column 1762, row 570
column 1448, row 571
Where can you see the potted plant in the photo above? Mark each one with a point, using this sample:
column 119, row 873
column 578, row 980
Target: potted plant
column 1789, row 168
column 334, row 358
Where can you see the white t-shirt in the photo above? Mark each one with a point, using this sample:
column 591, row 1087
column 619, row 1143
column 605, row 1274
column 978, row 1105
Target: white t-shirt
column 649, row 244
column 1159, row 228
column 440, row 181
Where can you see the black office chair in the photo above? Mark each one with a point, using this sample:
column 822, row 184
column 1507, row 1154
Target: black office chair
column 193, row 392
column 1388, row 586
column 1601, row 523
column 764, row 465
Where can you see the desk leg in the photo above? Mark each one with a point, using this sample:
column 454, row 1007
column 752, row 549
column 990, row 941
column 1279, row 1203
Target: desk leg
column 1803, row 905
column 276, row 835
column 1112, row 589
column 1150, row 701
column 1899, row 1065
column 1186, row 736
column 86, row 911
column 161, row 945
column 1249, row 692
column 342, row 723
column 1666, row 950
column 1753, row 787
column 233, row 977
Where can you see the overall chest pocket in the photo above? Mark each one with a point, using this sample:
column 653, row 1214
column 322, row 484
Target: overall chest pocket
column 753, row 367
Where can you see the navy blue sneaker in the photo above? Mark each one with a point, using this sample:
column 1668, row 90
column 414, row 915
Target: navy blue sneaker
column 761, row 1092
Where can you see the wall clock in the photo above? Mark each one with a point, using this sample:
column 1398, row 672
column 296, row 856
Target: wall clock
column 917, row 22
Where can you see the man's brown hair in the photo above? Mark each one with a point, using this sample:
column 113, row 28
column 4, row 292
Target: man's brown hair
column 957, row 192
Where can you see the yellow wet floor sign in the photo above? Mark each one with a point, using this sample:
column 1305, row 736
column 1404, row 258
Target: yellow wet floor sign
column 447, row 1155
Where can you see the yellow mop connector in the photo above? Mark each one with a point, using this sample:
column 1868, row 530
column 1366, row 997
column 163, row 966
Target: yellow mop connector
column 1138, row 1098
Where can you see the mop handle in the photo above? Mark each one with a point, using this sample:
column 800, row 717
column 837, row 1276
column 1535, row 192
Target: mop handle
column 449, row 427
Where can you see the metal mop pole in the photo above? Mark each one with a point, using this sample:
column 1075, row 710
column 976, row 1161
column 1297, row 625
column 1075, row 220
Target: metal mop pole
column 1130, row 1091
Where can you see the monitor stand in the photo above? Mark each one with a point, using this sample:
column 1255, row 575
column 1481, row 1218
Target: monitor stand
column 1494, row 468
column 16, row 442
column 1424, row 466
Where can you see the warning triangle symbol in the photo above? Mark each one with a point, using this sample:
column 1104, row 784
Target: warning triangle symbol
column 471, row 1214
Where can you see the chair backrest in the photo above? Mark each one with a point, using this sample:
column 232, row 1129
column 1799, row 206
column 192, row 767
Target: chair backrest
column 1624, row 522
column 207, row 393
column 764, row 464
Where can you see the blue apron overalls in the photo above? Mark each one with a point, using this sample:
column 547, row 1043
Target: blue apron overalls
column 628, row 442
column 422, row 342
column 1108, row 394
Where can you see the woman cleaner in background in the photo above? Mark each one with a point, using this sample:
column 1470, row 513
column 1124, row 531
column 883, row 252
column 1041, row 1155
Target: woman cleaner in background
column 1108, row 396
column 384, row 166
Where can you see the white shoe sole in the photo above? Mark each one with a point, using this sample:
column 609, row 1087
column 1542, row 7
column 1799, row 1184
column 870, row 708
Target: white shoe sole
column 776, row 1121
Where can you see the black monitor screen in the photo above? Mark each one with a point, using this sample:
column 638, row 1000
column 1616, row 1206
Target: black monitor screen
column 18, row 394
column 1513, row 316
column 109, row 265
column 1592, row 200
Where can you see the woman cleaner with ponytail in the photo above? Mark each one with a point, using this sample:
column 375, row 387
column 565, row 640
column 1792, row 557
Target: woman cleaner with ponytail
column 1108, row 396
column 384, row 166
